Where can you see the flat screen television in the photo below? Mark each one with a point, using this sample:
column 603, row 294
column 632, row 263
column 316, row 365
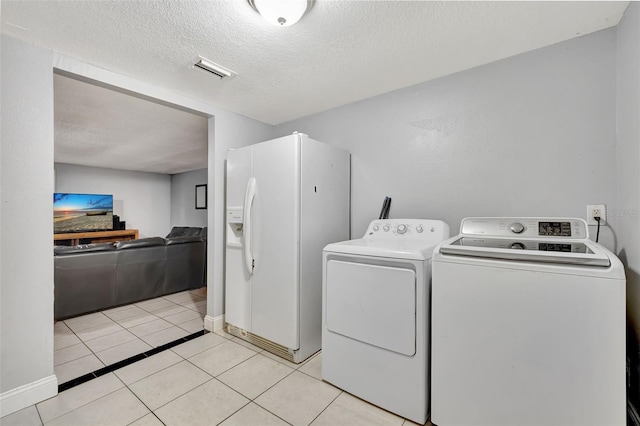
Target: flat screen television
column 82, row 212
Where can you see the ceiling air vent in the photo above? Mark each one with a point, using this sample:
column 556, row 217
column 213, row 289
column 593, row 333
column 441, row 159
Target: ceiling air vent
column 213, row 68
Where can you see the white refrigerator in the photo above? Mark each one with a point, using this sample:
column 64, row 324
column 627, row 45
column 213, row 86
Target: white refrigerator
column 286, row 199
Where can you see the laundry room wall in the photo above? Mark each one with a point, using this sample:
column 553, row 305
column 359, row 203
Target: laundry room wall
column 628, row 211
column 530, row 135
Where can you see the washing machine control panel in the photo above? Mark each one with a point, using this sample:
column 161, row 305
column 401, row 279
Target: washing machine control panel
column 565, row 228
column 405, row 228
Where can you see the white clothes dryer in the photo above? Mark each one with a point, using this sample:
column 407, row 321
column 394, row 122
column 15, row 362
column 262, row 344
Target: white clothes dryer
column 528, row 326
column 375, row 317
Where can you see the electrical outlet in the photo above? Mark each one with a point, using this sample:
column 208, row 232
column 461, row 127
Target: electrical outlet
column 596, row 210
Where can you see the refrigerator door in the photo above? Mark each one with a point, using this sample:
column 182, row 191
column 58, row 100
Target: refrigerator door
column 275, row 241
column 238, row 279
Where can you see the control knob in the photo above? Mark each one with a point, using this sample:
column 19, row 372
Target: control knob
column 402, row 229
column 516, row 228
column 376, row 227
column 386, row 228
column 517, row 246
column 419, row 228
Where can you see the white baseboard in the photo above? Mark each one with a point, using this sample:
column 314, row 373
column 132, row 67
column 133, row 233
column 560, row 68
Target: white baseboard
column 214, row 323
column 29, row 394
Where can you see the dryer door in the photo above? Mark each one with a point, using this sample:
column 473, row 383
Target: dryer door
column 372, row 304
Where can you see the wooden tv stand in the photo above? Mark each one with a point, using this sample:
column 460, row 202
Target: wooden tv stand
column 98, row 236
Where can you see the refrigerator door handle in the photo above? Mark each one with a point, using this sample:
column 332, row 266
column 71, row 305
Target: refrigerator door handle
column 249, row 194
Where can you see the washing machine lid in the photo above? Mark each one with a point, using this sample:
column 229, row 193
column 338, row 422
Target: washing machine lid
column 556, row 251
column 548, row 240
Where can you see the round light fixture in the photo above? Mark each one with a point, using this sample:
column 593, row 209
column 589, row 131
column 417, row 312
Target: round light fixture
column 282, row 13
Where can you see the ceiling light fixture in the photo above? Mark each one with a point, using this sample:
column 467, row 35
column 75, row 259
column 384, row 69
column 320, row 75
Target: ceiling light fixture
column 282, row 13
column 215, row 69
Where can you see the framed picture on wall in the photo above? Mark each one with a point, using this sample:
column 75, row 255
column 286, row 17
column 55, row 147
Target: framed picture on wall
column 201, row 197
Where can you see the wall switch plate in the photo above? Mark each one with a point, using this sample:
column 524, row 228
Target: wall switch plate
column 594, row 210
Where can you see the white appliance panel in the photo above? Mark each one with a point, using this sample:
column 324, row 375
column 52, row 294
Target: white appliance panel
column 275, row 242
column 359, row 299
column 527, row 343
column 237, row 279
column 324, row 218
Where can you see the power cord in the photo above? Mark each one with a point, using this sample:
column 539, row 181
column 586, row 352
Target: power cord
column 597, row 219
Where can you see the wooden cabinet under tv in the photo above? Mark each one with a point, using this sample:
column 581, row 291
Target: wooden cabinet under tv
column 96, row 237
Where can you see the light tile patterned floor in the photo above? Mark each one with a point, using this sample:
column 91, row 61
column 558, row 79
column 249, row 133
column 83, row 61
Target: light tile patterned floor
column 213, row 379
column 89, row 342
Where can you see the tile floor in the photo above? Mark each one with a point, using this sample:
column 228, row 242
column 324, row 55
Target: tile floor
column 87, row 343
column 210, row 380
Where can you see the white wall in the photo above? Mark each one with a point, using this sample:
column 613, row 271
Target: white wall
column 531, row 135
column 628, row 211
column 26, row 227
column 141, row 199
column 27, row 176
column 183, row 199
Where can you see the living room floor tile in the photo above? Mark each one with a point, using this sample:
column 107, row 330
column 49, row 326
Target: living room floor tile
column 148, row 420
column 70, row 353
column 26, row 417
column 150, row 327
column 255, row 375
column 154, row 304
column 129, row 312
column 118, row 408
column 252, row 414
column 167, row 335
column 110, row 340
column 78, row 324
column 133, row 321
column 159, row 388
column 99, row 331
column 184, row 316
column 123, row 351
column 61, row 341
column 193, row 326
column 196, row 346
column 222, row 357
column 78, row 396
column 148, row 366
column 208, row 404
column 298, row 398
column 313, row 366
column 200, row 292
column 169, row 310
column 77, row 368
column 347, row 409
column 183, row 296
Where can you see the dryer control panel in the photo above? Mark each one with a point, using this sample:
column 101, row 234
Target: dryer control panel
column 564, row 228
column 413, row 229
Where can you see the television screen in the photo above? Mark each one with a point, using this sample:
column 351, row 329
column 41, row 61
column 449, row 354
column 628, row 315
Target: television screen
column 82, row 212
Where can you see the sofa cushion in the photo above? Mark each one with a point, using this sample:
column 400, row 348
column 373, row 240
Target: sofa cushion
column 183, row 240
column 82, row 248
column 142, row 242
column 184, row 231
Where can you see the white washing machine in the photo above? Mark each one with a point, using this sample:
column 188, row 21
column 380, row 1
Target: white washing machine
column 375, row 317
column 528, row 326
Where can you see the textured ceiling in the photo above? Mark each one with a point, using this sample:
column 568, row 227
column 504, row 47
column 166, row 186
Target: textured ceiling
column 99, row 127
column 339, row 53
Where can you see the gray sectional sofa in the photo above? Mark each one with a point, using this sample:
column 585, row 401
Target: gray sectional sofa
column 93, row 277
